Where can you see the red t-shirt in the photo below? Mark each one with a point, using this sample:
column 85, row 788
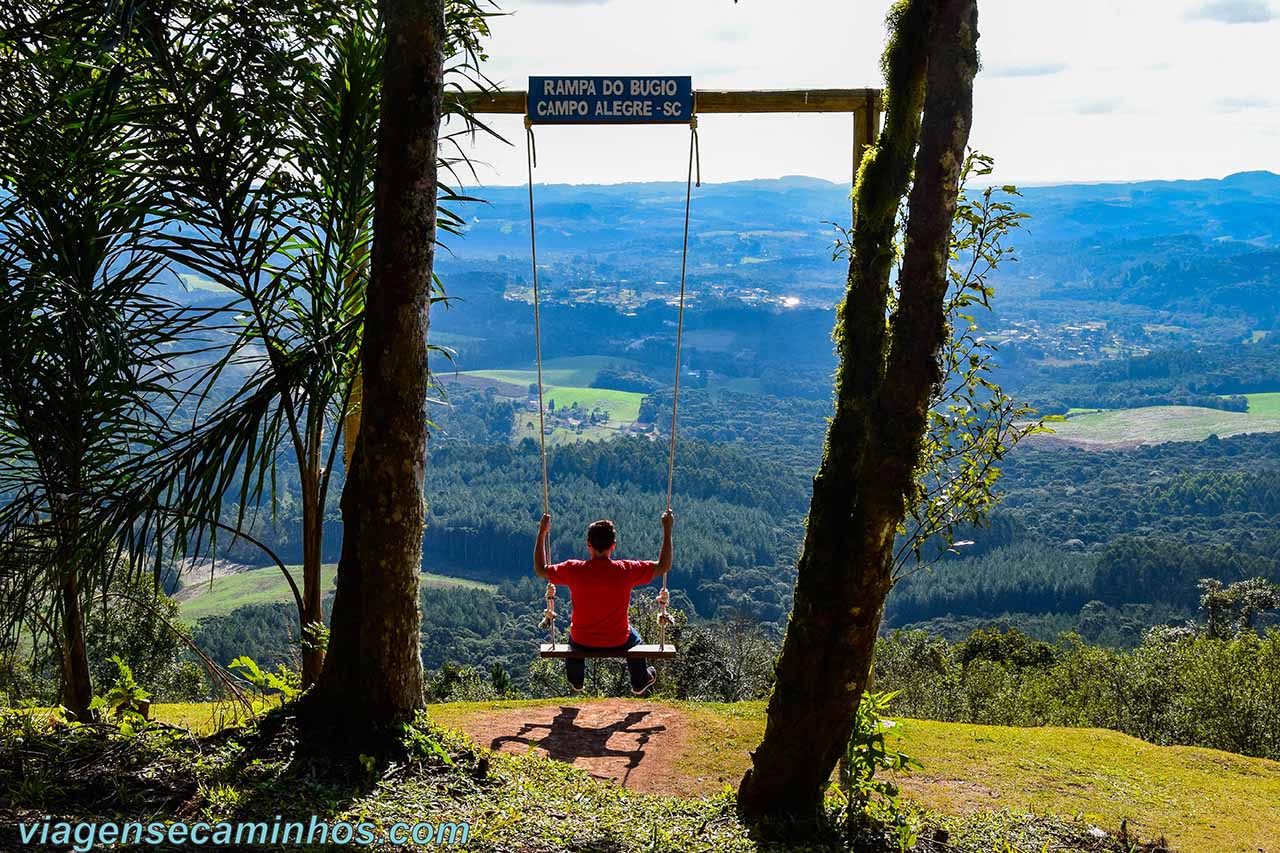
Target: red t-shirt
column 600, row 591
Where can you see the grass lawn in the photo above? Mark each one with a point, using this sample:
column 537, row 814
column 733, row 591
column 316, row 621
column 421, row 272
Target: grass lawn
column 522, row 802
column 561, row 436
column 577, row 371
column 622, row 406
column 565, row 382
column 1266, row 405
column 267, row 585
column 1154, row 424
column 202, row 718
column 1202, row 800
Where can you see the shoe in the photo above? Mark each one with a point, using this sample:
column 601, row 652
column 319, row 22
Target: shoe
column 653, row 676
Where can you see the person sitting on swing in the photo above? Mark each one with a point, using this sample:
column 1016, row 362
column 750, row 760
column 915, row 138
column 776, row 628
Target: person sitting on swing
column 600, row 592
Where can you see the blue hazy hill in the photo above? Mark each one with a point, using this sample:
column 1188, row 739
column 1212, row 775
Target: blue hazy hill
column 1193, row 247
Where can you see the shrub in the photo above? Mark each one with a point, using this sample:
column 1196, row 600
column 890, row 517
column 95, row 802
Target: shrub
column 1178, row 687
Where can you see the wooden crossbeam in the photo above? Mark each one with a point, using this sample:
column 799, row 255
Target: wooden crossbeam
column 563, row 650
column 785, row 100
column 512, row 102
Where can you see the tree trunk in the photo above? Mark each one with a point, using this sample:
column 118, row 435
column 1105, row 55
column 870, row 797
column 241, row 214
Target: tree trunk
column 373, row 674
column 77, row 683
column 312, row 611
column 886, row 374
column 339, row 680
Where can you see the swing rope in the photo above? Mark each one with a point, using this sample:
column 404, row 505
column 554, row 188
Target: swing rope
column 531, row 156
column 695, row 160
column 695, row 168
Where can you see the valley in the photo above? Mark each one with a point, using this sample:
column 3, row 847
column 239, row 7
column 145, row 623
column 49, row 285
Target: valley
column 1172, row 407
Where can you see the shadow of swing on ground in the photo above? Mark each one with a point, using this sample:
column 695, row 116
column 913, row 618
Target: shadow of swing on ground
column 586, row 743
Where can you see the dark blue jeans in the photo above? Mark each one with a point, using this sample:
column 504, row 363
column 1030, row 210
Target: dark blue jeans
column 575, row 669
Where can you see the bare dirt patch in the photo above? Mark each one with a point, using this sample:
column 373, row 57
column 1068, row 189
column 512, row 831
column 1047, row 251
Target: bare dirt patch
column 634, row 743
column 197, row 573
column 502, row 389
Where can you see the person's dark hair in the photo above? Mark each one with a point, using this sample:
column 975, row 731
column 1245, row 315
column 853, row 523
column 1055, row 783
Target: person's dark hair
column 601, row 535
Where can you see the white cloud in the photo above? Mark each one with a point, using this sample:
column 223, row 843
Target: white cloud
column 1088, row 90
column 1237, row 105
column 1235, row 12
column 1041, row 70
column 1098, row 105
column 730, row 34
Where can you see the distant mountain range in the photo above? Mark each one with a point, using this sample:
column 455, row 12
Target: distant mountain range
column 1199, row 251
column 1197, row 260
column 1240, row 208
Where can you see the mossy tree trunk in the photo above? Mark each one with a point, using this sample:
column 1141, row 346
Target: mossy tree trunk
column 77, row 682
column 887, row 372
column 372, row 676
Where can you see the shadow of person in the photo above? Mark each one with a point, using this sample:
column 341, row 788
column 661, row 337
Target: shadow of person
column 572, row 742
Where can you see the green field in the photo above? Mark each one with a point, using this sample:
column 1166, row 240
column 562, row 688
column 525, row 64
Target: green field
column 560, row 435
column 199, row 598
column 622, row 406
column 574, row 371
column 1267, row 405
column 565, row 382
column 1155, row 424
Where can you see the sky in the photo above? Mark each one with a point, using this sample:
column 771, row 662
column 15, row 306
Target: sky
column 1070, row 90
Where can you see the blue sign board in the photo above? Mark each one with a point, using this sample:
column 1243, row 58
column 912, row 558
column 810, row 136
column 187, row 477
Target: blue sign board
column 610, row 100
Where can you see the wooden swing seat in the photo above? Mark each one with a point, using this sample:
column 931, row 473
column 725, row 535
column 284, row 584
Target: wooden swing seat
column 564, row 650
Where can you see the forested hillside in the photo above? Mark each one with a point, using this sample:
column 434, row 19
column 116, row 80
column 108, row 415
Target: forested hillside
column 1110, row 308
column 1152, row 294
